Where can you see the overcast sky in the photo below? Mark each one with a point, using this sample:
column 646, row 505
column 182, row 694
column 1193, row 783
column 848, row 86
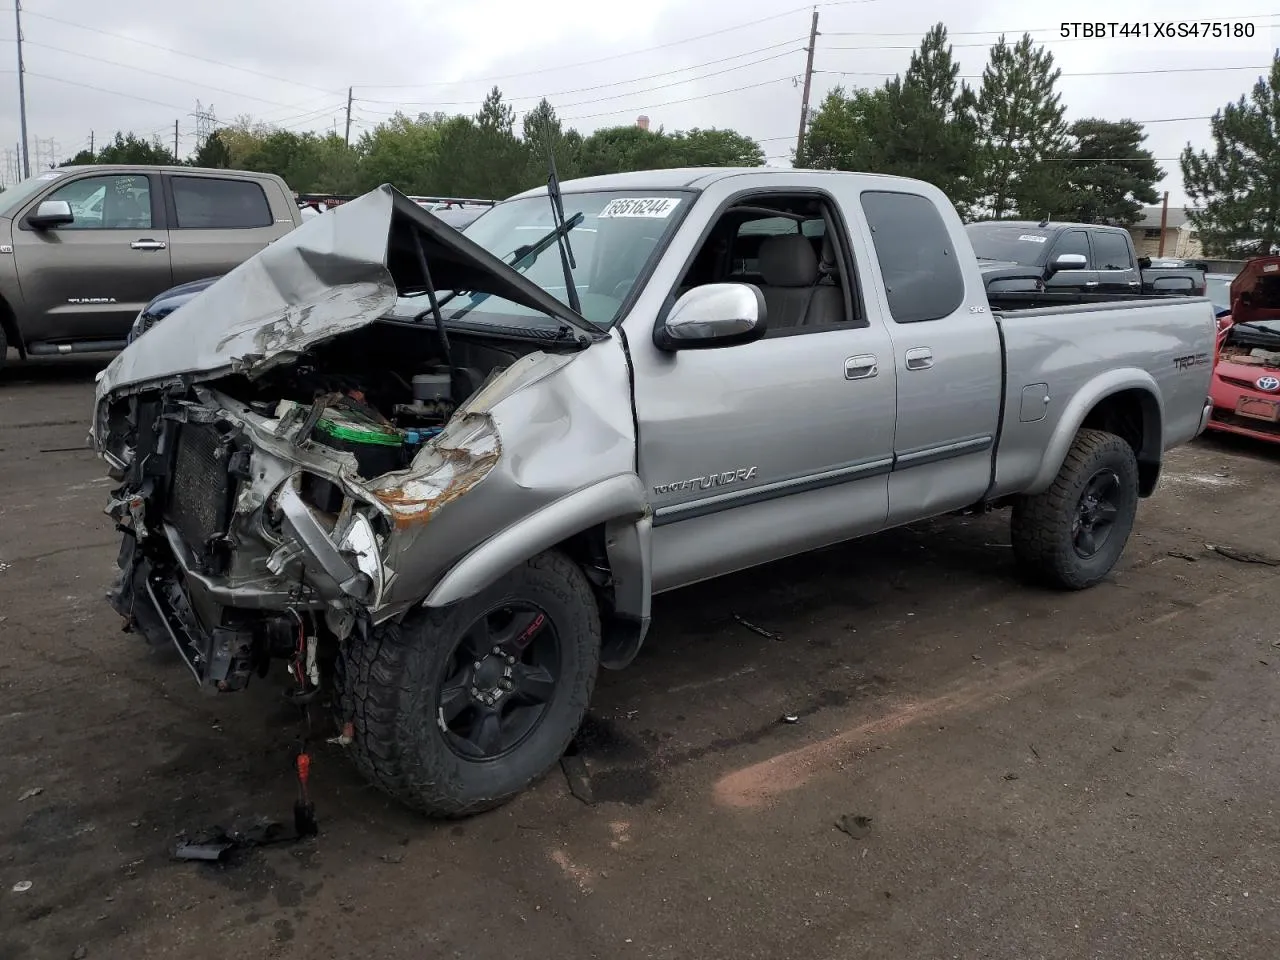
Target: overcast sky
column 291, row 61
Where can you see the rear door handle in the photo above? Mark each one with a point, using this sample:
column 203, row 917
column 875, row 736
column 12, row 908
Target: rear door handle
column 861, row 367
column 919, row 358
column 148, row 244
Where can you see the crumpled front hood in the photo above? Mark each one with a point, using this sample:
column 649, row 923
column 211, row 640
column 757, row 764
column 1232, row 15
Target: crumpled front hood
column 334, row 274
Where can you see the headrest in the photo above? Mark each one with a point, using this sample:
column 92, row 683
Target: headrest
column 788, row 261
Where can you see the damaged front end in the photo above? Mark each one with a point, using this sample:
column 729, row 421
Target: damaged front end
column 281, row 453
column 248, row 534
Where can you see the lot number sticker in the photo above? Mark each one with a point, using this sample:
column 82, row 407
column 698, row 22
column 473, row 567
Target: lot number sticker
column 1032, row 238
column 652, row 208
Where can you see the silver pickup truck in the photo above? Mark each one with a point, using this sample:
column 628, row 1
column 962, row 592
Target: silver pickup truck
column 447, row 472
column 82, row 249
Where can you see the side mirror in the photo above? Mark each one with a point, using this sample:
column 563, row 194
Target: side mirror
column 1070, row 261
column 713, row 315
column 51, row 213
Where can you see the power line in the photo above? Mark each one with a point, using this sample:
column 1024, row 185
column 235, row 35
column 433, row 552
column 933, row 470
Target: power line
column 615, row 83
column 668, row 103
column 180, row 53
column 662, row 46
column 163, row 76
column 1090, row 73
column 616, row 96
column 94, row 86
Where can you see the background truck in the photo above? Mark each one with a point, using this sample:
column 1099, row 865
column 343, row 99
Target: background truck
column 82, row 249
column 1079, row 260
column 451, row 480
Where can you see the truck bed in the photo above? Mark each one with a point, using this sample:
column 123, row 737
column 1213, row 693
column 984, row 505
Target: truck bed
column 1139, row 339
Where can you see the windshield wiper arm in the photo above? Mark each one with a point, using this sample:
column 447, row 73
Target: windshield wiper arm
column 561, row 232
column 519, row 255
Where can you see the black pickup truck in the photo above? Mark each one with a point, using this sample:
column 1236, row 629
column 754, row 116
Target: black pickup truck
column 1078, row 259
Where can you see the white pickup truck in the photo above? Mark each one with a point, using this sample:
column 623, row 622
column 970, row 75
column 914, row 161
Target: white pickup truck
column 448, row 471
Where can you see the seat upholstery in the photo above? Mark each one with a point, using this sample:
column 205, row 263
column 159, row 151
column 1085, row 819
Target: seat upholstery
column 792, row 293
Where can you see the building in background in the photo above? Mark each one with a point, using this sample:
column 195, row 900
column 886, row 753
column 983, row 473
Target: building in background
column 1180, row 238
column 642, row 122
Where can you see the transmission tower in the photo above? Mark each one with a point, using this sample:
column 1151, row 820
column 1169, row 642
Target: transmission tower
column 206, row 120
column 46, row 153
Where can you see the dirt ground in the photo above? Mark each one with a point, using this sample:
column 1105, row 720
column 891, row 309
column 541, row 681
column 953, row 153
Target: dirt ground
column 1019, row 774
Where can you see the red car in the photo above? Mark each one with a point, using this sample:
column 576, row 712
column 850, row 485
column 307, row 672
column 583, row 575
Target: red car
column 1246, row 380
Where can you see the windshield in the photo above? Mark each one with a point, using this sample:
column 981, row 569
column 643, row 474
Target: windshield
column 1008, row 243
column 617, row 238
column 15, row 196
column 1218, row 290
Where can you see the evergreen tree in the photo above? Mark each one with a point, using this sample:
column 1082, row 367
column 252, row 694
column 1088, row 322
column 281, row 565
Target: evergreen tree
column 1236, row 187
column 921, row 125
column 935, row 128
column 1109, row 176
column 846, row 132
column 544, row 134
column 214, row 152
column 1021, row 131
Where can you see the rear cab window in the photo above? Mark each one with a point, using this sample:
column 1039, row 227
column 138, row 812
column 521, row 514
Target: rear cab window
column 214, row 203
column 918, row 261
column 1111, row 251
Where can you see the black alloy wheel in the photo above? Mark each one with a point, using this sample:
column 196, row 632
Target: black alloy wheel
column 502, row 678
column 1096, row 513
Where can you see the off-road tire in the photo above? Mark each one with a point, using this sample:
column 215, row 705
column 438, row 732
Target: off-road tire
column 4, row 348
column 1042, row 524
column 387, row 686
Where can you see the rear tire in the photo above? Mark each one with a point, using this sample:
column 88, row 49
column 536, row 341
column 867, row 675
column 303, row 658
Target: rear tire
column 4, row 348
column 1071, row 535
column 415, row 691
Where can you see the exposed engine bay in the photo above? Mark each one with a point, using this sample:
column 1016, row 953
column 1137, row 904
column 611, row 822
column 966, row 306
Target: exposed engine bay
column 257, row 513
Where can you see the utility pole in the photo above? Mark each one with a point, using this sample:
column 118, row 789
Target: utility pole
column 175, row 140
column 347, row 135
column 91, row 153
column 22, row 91
column 1164, row 221
column 808, row 79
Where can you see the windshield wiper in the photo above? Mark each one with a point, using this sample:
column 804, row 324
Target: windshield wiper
column 561, row 231
column 517, row 257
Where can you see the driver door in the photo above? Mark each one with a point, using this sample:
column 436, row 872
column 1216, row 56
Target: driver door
column 87, row 280
column 1072, row 281
column 761, row 450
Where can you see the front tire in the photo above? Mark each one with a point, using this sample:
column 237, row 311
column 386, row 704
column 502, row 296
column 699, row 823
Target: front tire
column 1071, row 535
column 455, row 711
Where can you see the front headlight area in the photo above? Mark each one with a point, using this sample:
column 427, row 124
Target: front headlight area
column 332, row 539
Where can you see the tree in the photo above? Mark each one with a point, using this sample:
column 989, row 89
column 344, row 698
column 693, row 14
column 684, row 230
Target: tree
column 920, row 124
column 1021, row 132
column 938, row 121
column 129, row 148
column 214, row 153
column 714, row 148
column 1235, row 188
column 1109, row 177
column 81, row 159
column 400, row 151
column 543, row 133
column 842, row 133
column 618, row 149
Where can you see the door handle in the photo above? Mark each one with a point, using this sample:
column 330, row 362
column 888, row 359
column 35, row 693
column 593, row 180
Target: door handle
column 919, row 358
column 148, row 245
column 861, row 367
